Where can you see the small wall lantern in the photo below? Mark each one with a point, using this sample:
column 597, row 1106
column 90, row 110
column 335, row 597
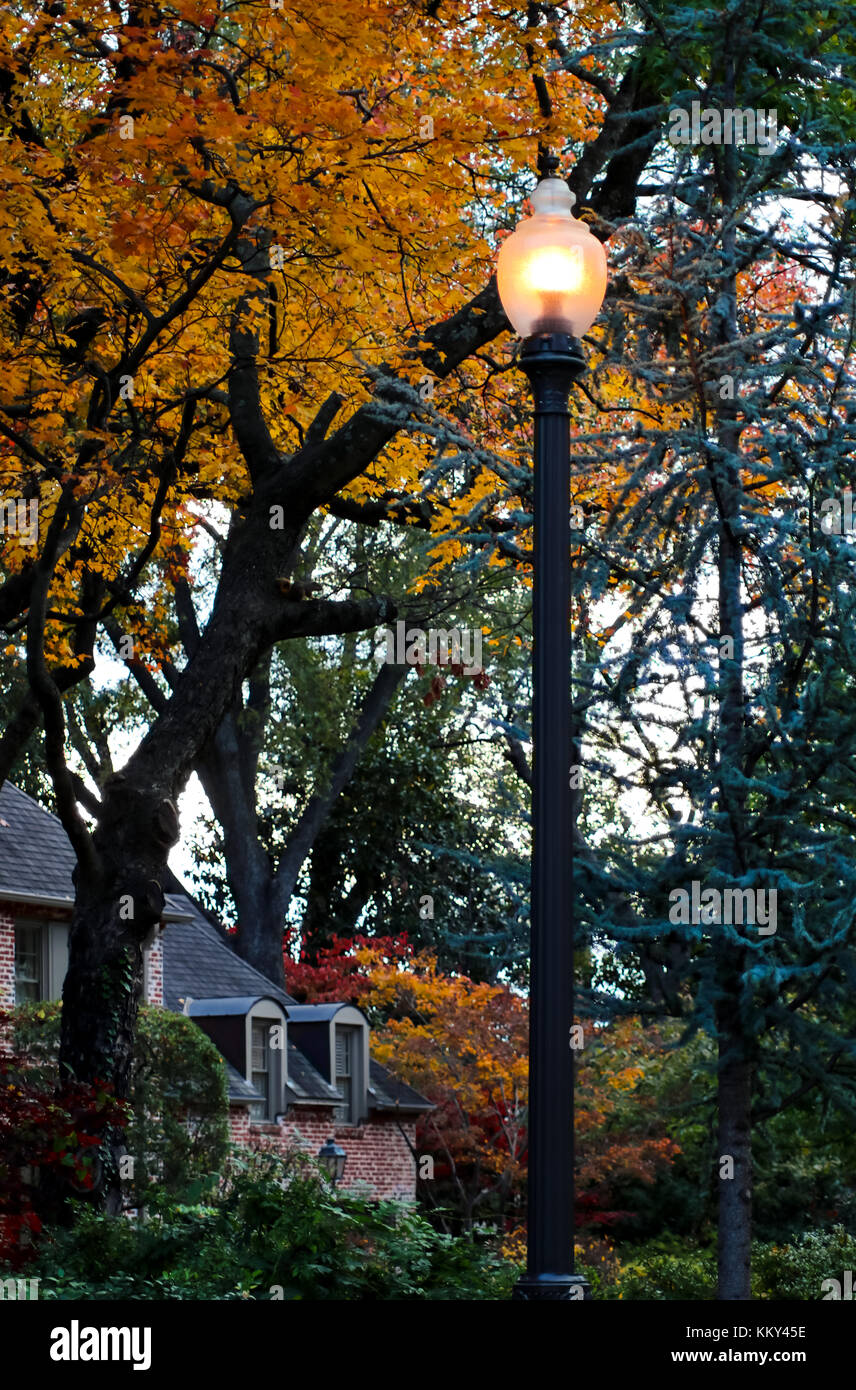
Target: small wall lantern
column 334, row 1158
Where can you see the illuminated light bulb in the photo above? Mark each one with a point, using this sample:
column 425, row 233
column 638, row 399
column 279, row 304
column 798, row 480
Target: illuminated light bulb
column 551, row 272
column 554, row 269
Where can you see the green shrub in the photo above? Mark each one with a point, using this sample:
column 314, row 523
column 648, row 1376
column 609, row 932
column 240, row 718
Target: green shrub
column 663, row 1270
column 798, row 1270
column 178, row 1132
column 656, row 1271
column 271, row 1228
column 179, row 1129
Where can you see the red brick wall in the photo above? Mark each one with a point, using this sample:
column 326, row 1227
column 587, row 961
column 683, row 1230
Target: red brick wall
column 7, row 960
column 154, row 990
column 154, row 971
column 379, row 1162
column 239, row 1124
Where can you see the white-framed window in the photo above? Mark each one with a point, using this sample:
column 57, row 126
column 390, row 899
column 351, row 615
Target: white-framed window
column 264, row 1060
column 346, row 1068
column 29, row 964
column 261, row 1069
column 41, row 959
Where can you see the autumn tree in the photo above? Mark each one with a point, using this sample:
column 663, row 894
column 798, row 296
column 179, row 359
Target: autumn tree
column 223, row 234
column 463, row 1044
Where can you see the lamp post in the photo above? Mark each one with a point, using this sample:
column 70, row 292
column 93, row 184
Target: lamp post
column 334, row 1158
column 551, row 278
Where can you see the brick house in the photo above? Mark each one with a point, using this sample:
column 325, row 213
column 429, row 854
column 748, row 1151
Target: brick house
column 297, row 1074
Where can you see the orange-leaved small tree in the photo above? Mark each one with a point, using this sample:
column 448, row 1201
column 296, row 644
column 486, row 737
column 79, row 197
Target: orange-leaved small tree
column 464, row 1045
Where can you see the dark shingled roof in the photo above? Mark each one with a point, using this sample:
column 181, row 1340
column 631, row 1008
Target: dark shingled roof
column 386, row 1093
column 198, row 963
column 36, row 857
column 305, row 1083
column 238, row 1088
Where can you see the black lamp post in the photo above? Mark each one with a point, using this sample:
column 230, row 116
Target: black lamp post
column 334, row 1158
column 552, row 279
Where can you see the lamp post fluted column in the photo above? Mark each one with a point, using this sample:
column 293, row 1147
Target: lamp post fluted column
column 552, row 361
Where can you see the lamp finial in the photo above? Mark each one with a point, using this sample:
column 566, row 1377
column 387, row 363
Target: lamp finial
column 548, row 165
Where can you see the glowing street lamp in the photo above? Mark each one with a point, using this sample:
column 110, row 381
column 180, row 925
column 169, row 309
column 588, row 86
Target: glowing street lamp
column 551, row 277
column 551, row 272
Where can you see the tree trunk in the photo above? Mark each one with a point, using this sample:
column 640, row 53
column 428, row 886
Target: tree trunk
column 117, row 903
column 321, row 919
column 118, row 893
column 734, row 1078
column 262, row 892
column 734, row 1067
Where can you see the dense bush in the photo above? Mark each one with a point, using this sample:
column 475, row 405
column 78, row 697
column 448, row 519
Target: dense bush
column 798, row 1270
column 272, row 1230
column 177, row 1129
column 42, row 1129
column 667, row 1269
column 662, row 1270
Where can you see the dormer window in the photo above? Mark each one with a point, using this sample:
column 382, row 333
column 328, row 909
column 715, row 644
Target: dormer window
column 346, row 1047
column 250, row 1033
column 261, row 1070
column 335, row 1039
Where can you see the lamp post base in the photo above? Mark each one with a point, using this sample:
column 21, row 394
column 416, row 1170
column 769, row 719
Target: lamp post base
column 568, row 1287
